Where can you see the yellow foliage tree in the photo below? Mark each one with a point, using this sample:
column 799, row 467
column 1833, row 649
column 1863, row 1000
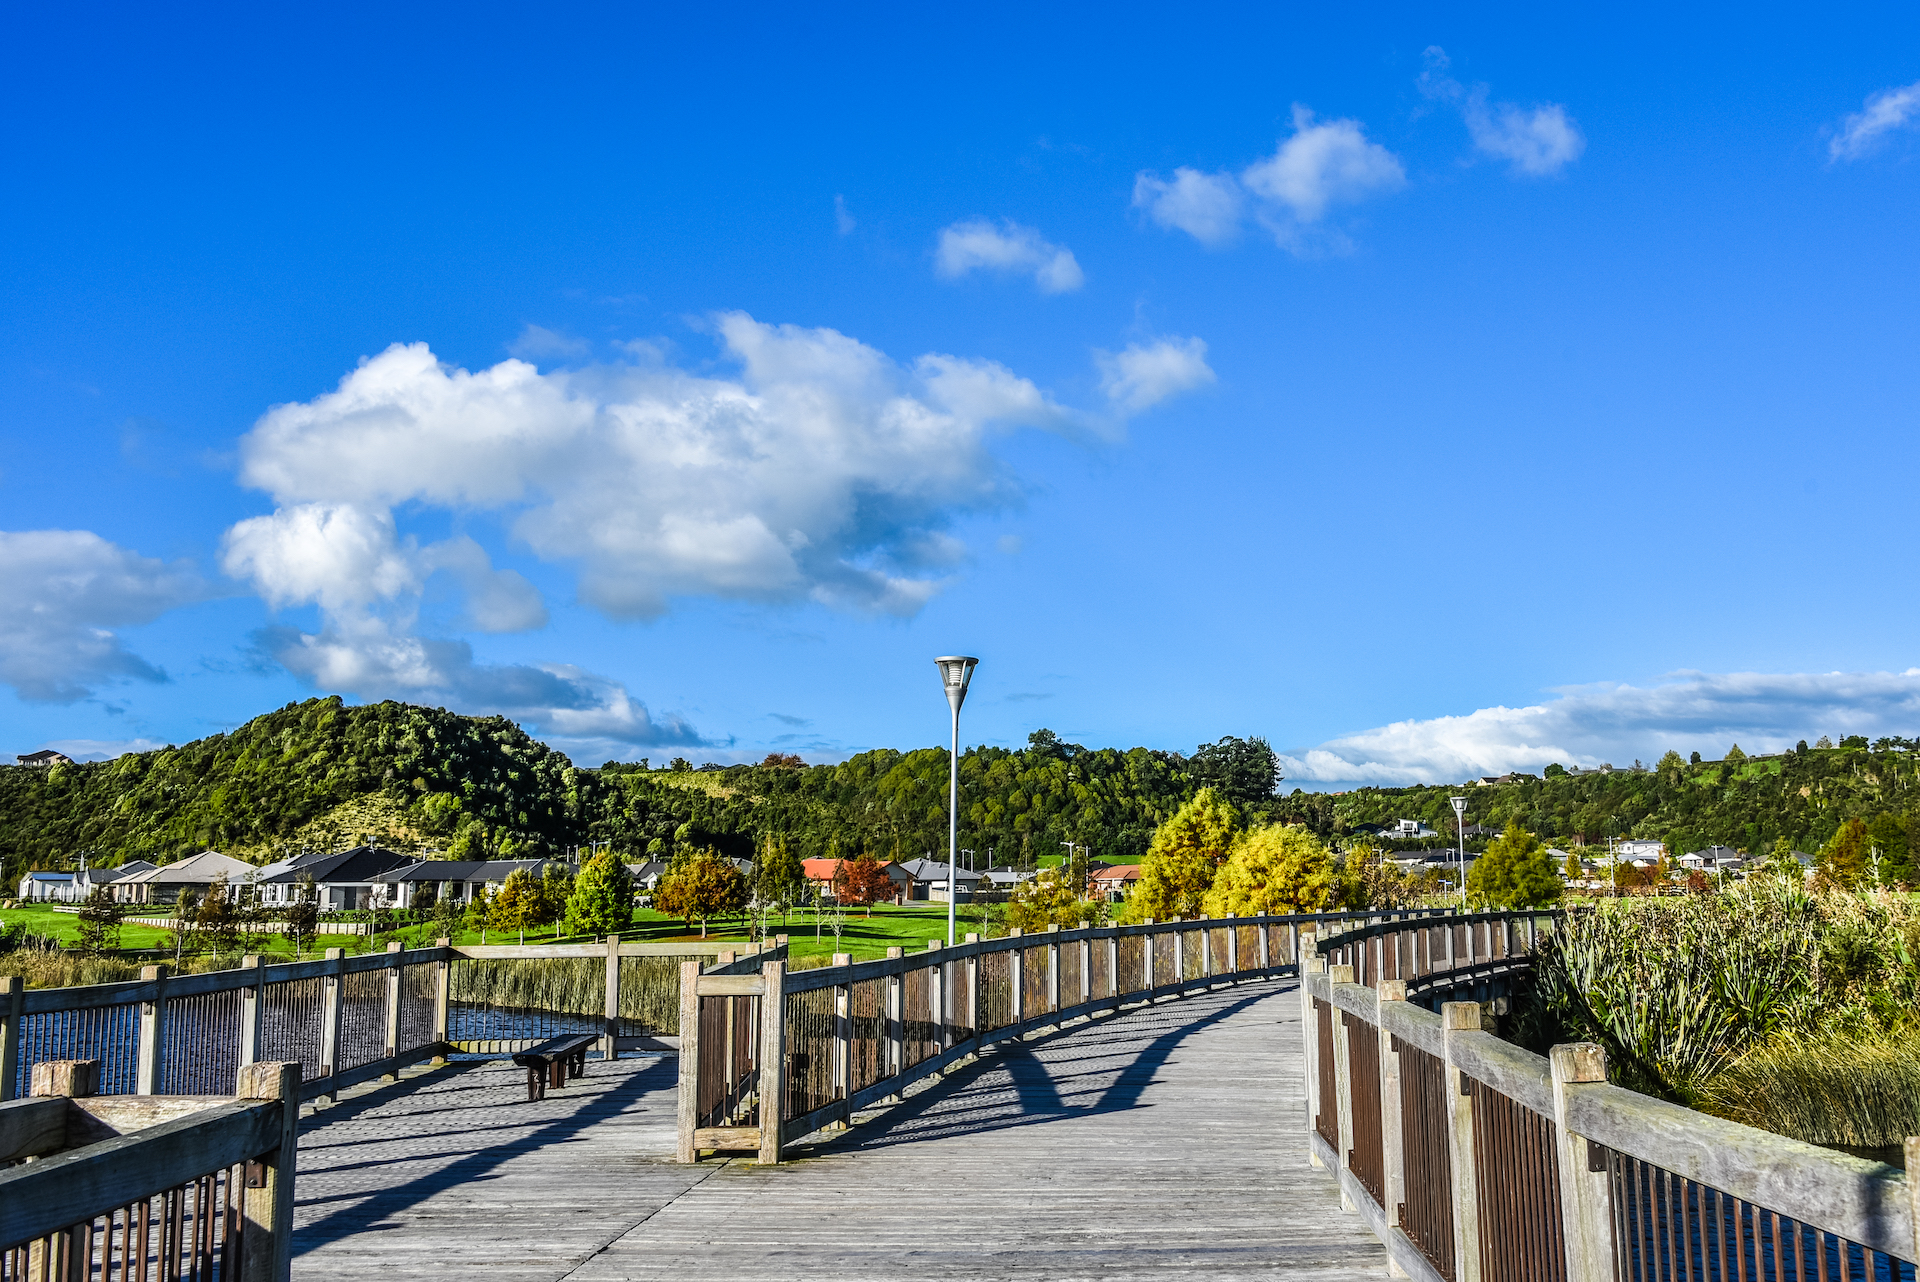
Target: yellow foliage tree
column 1275, row 869
column 1182, row 859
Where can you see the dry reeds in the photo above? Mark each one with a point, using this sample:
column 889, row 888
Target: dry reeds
column 1852, row 1090
column 649, row 987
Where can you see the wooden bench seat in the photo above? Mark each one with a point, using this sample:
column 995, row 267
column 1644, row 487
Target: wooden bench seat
column 553, row 1061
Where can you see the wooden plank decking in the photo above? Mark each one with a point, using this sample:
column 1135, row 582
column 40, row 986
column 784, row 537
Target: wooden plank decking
column 1163, row 1142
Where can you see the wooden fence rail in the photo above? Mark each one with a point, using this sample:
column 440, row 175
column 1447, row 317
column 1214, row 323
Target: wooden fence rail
column 148, row 1187
column 1476, row 1161
column 343, row 1019
column 768, row 1055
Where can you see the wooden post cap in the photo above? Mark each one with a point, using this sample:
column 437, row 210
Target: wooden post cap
column 335, row 954
column 444, row 942
column 269, row 1079
column 896, row 952
column 1015, row 933
column 1460, row 1016
column 73, row 1078
column 1340, row 974
column 1083, row 925
column 1579, row 1062
column 394, row 945
column 147, row 973
column 1053, row 925
column 250, row 962
column 970, row 939
column 841, row 959
column 1393, row 990
column 941, row 943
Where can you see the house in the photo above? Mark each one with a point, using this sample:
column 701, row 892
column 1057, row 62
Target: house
column 929, row 880
column 1475, row 832
column 1113, row 883
column 1410, row 830
column 820, row 873
column 457, row 880
column 647, row 875
column 91, row 879
column 195, row 873
column 1712, row 859
column 1006, row 878
column 1639, row 849
column 47, row 888
column 44, row 757
column 344, row 879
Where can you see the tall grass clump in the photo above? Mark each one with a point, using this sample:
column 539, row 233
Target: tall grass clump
column 1761, row 1001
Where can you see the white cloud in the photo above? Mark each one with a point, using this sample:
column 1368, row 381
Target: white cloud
column 976, row 245
column 1884, row 112
column 60, row 593
column 536, row 342
column 1143, row 375
column 1208, row 207
column 1323, row 165
column 1539, row 141
column 1586, row 726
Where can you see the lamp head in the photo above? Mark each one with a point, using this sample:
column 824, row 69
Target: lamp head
column 956, row 670
column 1459, row 807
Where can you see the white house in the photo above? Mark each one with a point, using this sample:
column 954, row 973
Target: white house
column 1638, row 850
column 48, row 888
column 454, row 880
column 1712, row 859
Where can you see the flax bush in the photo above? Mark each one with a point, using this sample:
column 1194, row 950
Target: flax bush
column 1759, row 1001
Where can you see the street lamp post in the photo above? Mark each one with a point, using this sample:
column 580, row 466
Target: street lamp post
column 1460, row 829
column 956, row 670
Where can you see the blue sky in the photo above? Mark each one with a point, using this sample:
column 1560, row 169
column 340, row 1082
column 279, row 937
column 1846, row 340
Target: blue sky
column 1433, row 395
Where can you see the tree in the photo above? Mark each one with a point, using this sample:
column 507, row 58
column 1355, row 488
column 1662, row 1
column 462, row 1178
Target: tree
column 1823, row 742
column 699, row 886
column 1272, row 869
column 1735, row 756
column 556, row 888
column 303, row 914
column 100, row 921
column 1244, row 771
column 1800, row 749
column 1694, row 758
column 780, row 878
column 517, row 904
column 1846, row 859
column 1515, row 872
column 186, row 923
column 1186, row 851
column 1554, row 770
column 1051, row 899
column 602, row 899
column 219, row 915
column 1573, row 872
column 862, row 882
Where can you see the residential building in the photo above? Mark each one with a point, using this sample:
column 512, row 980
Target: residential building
column 458, row 880
column 195, row 873
column 1410, row 830
column 44, row 757
column 821, row 872
column 1113, row 884
column 1712, row 859
column 929, row 880
column 344, row 880
column 47, row 888
column 115, row 878
column 1637, row 849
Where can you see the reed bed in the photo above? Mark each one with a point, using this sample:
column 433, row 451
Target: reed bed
column 649, row 987
column 1853, row 1090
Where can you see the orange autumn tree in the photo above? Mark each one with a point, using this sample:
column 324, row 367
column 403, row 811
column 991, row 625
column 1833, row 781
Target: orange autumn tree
column 862, row 882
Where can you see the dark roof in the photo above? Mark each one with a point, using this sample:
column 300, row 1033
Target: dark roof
column 362, row 863
column 934, row 870
column 101, row 876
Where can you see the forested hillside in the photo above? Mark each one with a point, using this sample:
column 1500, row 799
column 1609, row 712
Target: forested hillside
column 323, row 774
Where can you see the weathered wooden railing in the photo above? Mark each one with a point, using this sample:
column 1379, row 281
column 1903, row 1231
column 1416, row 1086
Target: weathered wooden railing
column 1466, row 955
column 1476, row 1161
column 851, row 1034
column 343, row 1019
column 148, row 1187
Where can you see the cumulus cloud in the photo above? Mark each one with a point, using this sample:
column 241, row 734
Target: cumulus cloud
column 978, row 245
column 1865, row 130
column 1538, row 141
column 61, row 591
column 1208, row 207
column 1145, row 374
column 1586, row 726
column 1323, row 164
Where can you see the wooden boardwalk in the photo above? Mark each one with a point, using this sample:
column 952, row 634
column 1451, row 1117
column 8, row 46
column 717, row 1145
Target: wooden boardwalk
column 1164, row 1142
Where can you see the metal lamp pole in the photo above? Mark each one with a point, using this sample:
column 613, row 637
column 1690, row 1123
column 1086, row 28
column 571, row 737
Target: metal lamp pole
column 1460, row 828
column 956, row 670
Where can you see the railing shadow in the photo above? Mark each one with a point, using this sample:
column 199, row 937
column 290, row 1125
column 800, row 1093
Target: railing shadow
column 1016, row 1084
column 369, row 1208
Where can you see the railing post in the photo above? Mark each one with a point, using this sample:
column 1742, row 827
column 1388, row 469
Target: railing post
column 1455, row 1018
column 1342, row 1078
column 1392, row 1146
column 1586, row 1202
column 689, row 1100
column 1017, row 973
column 268, row 1206
column 938, row 999
column 1233, row 945
column 1266, row 944
column 331, row 1020
column 843, row 1036
column 1086, row 964
column 1149, row 974
column 971, row 970
column 394, row 971
column 773, row 1060
column 1179, row 960
column 1310, row 1039
column 896, row 1020
column 1113, row 966
column 250, row 1003
column 611, row 1048
column 442, row 997
column 13, row 996
column 1053, row 970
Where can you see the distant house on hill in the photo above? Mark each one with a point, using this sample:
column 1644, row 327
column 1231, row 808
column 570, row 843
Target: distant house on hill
column 1712, row 859
column 44, row 757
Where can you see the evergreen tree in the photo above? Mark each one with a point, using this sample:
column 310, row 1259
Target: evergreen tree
column 1846, row 860
column 100, row 921
column 1273, row 869
column 779, row 877
column 1187, row 850
column 602, row 899
column 1515, row 872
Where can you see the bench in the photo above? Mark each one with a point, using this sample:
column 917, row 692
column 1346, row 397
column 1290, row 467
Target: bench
column 553, row 1061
